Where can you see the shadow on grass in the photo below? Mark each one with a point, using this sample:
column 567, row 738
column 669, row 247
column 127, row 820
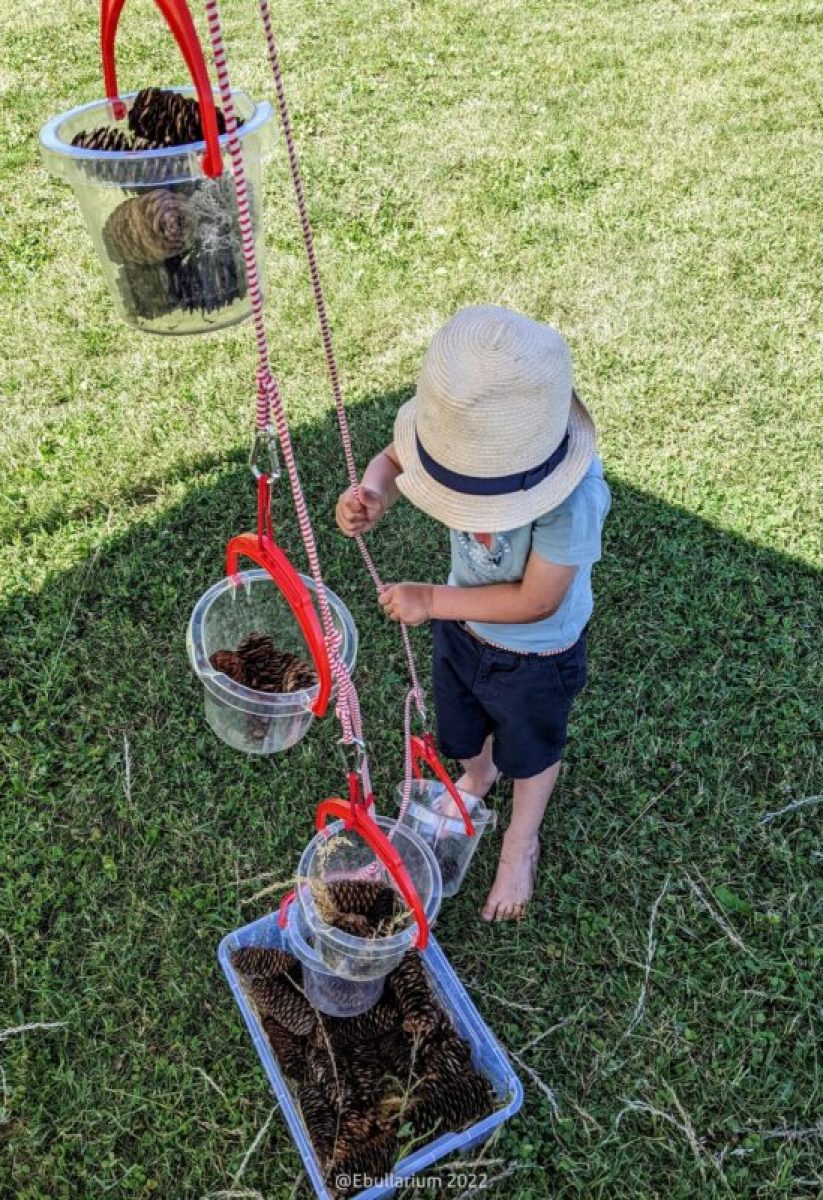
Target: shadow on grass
column 132, row 837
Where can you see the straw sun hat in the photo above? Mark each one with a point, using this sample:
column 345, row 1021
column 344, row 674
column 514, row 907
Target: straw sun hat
column 495, row 435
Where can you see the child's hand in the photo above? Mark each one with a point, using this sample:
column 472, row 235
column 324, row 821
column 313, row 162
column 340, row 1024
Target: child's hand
column 358, row 513
column 410, row 603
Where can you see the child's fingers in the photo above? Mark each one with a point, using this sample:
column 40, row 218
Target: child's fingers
column 371, row 504
column 354, row 506
column 350, row 513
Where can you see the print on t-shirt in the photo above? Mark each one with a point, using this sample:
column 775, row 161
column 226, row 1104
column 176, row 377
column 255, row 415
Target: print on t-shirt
column 487, row 564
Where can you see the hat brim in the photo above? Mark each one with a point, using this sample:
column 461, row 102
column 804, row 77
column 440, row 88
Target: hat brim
column 491, row 514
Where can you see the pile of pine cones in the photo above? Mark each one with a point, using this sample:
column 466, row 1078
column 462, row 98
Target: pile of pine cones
column 257, row 663
column 158, row 117
column 370, row 1085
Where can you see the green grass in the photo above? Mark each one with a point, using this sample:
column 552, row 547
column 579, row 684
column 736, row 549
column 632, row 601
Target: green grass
column 648, row 177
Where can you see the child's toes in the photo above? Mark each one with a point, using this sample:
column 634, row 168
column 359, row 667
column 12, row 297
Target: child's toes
column 510, row 912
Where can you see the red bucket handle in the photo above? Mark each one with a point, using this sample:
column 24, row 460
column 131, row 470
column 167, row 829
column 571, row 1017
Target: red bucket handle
column 356, row 817
column 272, row 559
column 424, row 750
column 181, row 24
column 262, row 549
column 283, row 909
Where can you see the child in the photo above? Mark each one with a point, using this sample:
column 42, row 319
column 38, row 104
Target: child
column 498, row 447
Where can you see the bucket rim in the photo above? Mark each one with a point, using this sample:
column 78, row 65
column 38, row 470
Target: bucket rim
column 481, row 814
column 51, row 141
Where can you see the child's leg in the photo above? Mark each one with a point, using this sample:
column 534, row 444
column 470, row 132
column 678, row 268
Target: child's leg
column 480, row 773
column 514, row 882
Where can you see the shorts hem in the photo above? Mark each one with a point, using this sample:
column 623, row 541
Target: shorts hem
column 520, row 773
column 445, row 749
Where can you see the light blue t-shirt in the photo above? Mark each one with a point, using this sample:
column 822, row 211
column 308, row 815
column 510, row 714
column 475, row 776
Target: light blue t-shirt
column 569, row 535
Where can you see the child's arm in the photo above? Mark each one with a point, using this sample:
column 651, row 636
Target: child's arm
column 538, row 594
column 378, row 492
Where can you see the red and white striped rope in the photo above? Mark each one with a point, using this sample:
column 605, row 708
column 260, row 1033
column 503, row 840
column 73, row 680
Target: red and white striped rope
column 325, row 326
column 269, row 401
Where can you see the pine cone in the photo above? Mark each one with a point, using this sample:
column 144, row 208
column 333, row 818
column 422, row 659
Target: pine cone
column 169, row 118
column 410, row 988
column 448, row 1055
column 271, row 670
column 362, row 896
column 320, row 1118
column 427, row 1110
column 280, row 999
column 145, row 290
column 448, row 1104
column 114, row 140
column 149, row 228
column 366, row 1076
column 105, row 137
column 207, row 280
column 391, row 1053
column 387, row 903
column 356, row 1125
column 355, row 924
column 270, row 676
column 256, row 650
column 230, row 664
column 262, row 962
column 298, row 674
column 470, row 1098
column 323, row 1068
column 289, row 1050
column 354, row 1031
column 374, row 1159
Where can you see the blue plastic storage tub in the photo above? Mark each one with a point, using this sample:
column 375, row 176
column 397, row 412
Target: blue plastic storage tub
column 489, row 1057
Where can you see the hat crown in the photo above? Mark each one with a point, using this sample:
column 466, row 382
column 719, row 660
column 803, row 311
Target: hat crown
column 494, row 392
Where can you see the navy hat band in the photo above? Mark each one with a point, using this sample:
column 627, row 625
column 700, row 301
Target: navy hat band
column 495, row 485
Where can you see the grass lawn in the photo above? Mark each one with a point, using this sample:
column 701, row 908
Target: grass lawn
column 645, row 175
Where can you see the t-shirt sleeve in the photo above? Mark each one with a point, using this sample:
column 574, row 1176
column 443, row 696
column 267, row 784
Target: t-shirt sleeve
column 569, row 535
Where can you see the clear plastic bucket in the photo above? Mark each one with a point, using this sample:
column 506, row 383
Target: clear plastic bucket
column 167, row 236
column 327, row 992
column 251, row 721
column 338, row 854
column 446, row 836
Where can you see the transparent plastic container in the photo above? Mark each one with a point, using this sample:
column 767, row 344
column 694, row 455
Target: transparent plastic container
column 251, row 721
column 446, row 836
column 338, row 853
column 167, row 236
column 329, row 993
column 487, row 1054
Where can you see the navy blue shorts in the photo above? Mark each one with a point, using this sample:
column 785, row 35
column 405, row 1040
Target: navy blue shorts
column 523, row 700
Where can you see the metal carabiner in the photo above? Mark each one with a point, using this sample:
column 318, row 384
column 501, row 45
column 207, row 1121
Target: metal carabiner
column 263, row 457
column 356, row 770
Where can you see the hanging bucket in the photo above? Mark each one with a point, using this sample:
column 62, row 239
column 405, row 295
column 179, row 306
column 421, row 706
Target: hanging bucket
column 445, row 836
column 164, row 221
column 253, row 721
column 338, row 854
column 453, row 839
column 329, row 993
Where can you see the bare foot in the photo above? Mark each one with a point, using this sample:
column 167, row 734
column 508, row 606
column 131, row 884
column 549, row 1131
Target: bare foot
column 514, row 883
column 471, row 790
